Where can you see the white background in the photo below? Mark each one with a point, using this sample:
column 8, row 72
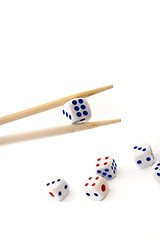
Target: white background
column 51, row 49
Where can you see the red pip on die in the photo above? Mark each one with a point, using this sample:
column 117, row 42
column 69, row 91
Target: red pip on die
column 96, row 188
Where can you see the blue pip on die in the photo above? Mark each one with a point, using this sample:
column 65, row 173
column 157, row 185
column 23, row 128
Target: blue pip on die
column 143, row 155
column 77, row 110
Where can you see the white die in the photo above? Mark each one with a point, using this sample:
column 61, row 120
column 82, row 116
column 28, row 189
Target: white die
column 96, row 188
column 77, row 110
column 58, row 188
column 156, row 171
column 106, row 167
column 143, row 155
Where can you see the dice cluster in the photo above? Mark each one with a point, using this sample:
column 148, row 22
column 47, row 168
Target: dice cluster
column 144, row 157
column 96, row 187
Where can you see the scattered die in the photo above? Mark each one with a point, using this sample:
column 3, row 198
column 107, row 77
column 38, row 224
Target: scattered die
column 143, row 155
column 77, row 110
column 156, row 171
column 106, row 167
column 58, row 189
column 96, row 188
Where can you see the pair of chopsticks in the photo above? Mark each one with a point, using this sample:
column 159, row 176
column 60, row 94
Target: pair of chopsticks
column 54, row 131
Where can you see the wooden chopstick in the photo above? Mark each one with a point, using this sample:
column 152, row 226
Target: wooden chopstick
column 54, row 131
column 50, row 105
